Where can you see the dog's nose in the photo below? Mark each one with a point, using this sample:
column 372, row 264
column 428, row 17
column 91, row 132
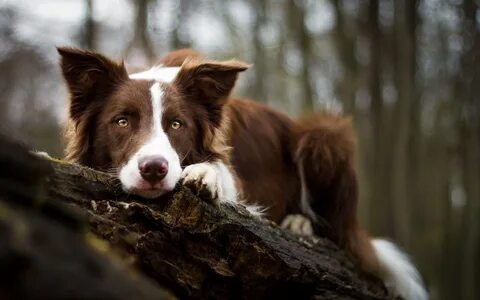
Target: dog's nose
column 153, row 168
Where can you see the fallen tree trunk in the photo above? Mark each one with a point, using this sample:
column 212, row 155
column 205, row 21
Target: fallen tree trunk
column 198, row 250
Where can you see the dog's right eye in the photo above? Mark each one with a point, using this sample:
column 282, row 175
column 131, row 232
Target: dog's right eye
column 122, row 122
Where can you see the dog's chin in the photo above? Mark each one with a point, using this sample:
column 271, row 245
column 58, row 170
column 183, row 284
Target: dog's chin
column 146, row 193
column 149, row 194
column 147, row 190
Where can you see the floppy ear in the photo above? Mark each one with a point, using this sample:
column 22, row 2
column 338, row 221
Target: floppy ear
column 209, row 82
column 90, row 77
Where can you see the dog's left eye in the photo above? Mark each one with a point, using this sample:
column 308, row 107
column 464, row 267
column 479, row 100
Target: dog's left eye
column 122, row 122
column 176, row 124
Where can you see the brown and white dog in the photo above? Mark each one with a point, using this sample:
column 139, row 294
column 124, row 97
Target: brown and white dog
column 176, row 122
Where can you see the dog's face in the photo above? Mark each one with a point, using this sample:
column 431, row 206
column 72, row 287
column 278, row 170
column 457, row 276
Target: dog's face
column 144, row 127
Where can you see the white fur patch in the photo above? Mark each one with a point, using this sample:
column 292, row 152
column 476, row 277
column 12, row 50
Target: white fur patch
column 157, row 145
column 305, row 198
column 41, row 154
column 255, row 210
column 157, row 111
column 399, row 274
column 158, row 73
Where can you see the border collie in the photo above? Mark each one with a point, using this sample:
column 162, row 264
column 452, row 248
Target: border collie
column 176, row 122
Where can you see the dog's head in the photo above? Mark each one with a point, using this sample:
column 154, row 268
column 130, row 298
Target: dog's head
column 145, row 127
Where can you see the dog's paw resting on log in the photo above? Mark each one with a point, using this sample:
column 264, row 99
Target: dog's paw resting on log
column 176, row 122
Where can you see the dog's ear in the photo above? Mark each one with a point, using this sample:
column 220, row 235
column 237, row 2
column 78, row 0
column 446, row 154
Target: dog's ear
column 90, row 77
column 209, row 82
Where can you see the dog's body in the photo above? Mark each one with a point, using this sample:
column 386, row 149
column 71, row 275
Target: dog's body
column 177, row 122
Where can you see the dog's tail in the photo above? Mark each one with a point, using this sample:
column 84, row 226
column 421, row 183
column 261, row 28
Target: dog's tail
column 324, row 148
column 398, row 272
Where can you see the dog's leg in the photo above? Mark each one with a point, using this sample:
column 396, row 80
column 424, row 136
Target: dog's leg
column 214, row 181
column 324, row 154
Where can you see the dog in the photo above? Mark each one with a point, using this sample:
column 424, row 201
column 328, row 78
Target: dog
column 176, row 122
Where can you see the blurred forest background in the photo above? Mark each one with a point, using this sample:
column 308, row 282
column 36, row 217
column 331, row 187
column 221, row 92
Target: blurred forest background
column 407, row 71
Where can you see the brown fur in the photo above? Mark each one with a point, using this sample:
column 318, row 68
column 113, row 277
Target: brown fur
column 261, row 157
column 325, row 148
column 93, row 78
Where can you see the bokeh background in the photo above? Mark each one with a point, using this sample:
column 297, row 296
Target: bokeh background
column 408, row 71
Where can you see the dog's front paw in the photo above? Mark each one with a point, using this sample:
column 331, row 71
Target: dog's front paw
column 212, row 181
column 298, row 224
column 202, row 178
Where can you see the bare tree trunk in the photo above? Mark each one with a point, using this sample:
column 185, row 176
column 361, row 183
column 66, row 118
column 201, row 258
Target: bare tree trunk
column 414, row 134
column 281, row 76
column 405, row 83
column 469, row 132
column 89, row 35
column 141, row 38
column 345, row 45
column 260, row 84
column 378, row 150
column 178, row 38
column 297, row 12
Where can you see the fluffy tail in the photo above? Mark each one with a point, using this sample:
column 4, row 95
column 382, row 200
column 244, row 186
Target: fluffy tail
column 323, row 148
column 397, row 271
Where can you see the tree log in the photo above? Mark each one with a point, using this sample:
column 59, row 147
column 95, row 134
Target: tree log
column 46, row 251
column 197, row 249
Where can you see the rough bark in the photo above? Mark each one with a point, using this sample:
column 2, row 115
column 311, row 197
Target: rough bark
column 46, row 251
column 199, row 250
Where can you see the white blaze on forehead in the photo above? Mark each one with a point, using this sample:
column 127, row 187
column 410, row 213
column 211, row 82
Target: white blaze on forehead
column 157, row 97
column 158, row 73
column 158, row 144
